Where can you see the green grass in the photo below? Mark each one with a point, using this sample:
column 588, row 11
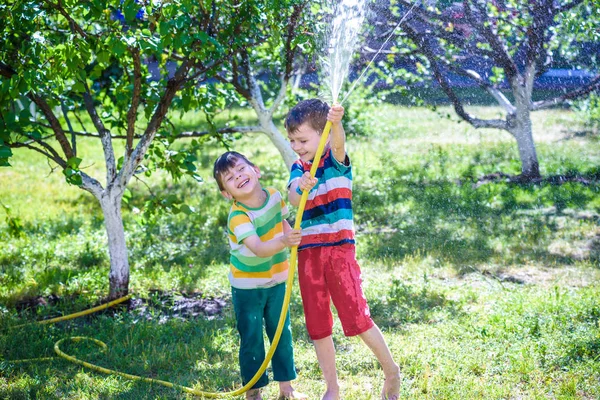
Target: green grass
column 482, row 291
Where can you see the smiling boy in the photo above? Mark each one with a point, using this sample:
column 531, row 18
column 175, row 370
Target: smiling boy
column 258, row 237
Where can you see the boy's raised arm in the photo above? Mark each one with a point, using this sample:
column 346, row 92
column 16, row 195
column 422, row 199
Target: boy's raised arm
column 338, row 135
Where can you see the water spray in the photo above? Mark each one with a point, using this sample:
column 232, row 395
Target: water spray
column 379, row 51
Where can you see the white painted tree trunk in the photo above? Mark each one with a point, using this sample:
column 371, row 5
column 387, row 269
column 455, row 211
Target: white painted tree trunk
column 110, row 202
column 280, row 142
column 521, row 128
column 265, row 119
column 523, row 134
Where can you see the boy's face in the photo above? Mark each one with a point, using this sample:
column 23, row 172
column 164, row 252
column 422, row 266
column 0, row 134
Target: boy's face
column 305, row 142
column 240, row 181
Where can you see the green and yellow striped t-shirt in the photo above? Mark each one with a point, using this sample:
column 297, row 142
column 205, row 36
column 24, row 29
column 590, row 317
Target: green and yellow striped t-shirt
column 247, row 270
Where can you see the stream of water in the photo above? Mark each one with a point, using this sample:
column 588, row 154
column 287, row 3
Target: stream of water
column 348, row 17
column 342, row 35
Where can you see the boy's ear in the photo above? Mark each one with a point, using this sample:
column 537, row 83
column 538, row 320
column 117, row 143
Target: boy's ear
column 257, row 171
column 226, row 194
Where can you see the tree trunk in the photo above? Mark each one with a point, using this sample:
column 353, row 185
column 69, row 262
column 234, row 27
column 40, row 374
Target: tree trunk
column 521, row 130
column 117, row 247
column 280, row 142
column 530, row 168
column 265, row 119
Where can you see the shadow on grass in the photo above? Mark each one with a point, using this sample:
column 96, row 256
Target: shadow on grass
column 411, row 304
column 56, row 227
column 579, row 351
column 405, row 212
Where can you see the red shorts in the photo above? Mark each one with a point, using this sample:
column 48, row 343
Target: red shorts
column 332, row 273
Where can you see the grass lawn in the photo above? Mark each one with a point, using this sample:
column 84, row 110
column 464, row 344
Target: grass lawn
column 483, row 291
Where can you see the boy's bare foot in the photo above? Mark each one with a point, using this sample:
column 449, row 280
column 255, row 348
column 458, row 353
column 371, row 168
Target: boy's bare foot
column 331, row 395
column 286, row 391
column 253, row 394
column 391, row 387
column 292, row 395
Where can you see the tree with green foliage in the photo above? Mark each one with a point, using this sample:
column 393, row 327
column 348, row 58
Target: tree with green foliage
column 259, row 76
column 514, row 41
column 118, row 67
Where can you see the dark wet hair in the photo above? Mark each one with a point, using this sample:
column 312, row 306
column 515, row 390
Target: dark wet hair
column 311, row 111
column 225, row 162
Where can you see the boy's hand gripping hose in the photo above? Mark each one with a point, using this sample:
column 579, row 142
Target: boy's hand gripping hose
column 274, row 343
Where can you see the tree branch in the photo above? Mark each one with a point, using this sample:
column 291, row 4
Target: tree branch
column 452, row 37
column 135, row 99
column 6, row 70
column 235, row 80
column 426, row 14
column 174, row 84
column 72, row 24
column 590, row 87
column 68, row 121
column 542, row 17
column 49, row 152
column 91, row 185
column 500, row 55
column 422, row 42
column 59, row 133
column 109, row 154
column 493, row 91
column 187, row 134
column 235, row 129
column 290, row 53
column 280, row 96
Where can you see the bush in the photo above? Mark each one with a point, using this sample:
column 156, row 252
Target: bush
column 588, row 111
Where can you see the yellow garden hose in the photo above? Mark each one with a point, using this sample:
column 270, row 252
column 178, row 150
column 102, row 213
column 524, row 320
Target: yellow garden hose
column 274, row 343
column 78, row 314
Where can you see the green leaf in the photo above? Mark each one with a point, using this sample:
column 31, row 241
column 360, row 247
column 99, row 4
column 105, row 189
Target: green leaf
column 73, row 176
column 24, row 116
column 130, row 10
column 103, row 56
column 202, row 36
column 127, row 195
column 78, row 87
column 5, row 152
column 170, row 200
column 185, row 100
column 74, row 162
column 36, row 134
column 118, row 47
column 184, row 208
column 164, row 28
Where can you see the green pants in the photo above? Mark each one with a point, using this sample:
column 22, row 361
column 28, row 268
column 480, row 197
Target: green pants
column 252, row 306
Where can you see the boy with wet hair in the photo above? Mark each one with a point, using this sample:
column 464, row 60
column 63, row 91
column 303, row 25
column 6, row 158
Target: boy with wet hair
column 258, row 236
column 327, row 266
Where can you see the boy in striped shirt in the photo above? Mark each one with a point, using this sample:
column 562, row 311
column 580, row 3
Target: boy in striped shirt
column 258, row 236
column 327, row 267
